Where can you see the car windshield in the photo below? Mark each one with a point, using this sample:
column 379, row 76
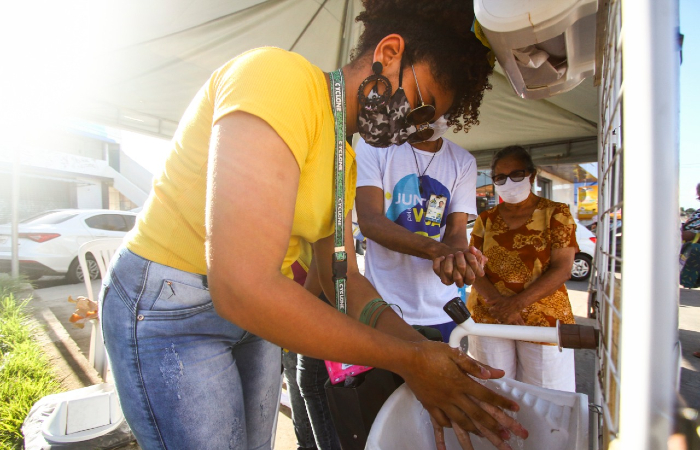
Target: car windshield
column 49, row 218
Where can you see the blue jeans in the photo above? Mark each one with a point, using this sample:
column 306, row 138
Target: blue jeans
column 300, row 418
column 186, row 378
column 311, row 377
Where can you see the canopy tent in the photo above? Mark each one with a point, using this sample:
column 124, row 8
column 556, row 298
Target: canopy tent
column 161, row 52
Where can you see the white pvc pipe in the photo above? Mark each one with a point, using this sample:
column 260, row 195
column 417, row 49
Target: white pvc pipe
column 518, row 333
column 651, row 236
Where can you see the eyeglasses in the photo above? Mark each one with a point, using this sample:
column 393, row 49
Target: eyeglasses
column 516, row 176
column 420, row 118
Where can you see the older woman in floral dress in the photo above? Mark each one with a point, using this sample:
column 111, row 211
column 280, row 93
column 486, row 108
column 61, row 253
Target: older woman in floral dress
column 530, row 243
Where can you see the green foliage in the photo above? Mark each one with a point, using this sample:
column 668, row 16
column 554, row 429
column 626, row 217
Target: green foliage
column 25, row 373
column 11, row 286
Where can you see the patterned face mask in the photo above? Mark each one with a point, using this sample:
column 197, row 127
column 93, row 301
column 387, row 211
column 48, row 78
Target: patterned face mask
column 383, row 123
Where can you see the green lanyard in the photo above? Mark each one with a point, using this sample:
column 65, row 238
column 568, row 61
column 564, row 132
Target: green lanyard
column 340, row 257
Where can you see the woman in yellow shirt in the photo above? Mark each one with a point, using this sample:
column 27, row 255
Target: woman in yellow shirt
column 200, row 297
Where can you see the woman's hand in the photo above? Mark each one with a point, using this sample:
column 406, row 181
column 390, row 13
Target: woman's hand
column 462, row 436
column 506, row 309
column 439, row 377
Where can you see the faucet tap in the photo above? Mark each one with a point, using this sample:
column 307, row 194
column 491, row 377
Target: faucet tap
column 564, row 335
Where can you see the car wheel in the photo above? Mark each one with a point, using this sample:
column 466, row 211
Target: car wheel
column 581, row 269
column 75, row 272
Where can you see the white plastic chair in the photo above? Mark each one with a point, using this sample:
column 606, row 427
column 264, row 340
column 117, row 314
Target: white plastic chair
column 87, row 413
column 102, row 250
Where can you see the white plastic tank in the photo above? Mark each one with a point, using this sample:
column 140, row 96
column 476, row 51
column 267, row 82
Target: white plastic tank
column 555, row 420
column 545, row 47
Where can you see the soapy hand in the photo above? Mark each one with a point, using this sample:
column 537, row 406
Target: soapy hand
column 462, row 436
column 460, row 267
column 441, row 382
column 465, row 440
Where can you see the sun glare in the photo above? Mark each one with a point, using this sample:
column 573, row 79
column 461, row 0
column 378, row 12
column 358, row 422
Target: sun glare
column 50, row 47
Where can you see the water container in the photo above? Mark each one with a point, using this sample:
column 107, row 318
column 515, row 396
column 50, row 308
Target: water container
column 545, row 47
column 556, row 420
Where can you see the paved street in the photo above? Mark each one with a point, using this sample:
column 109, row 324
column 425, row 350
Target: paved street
column 52, row 294
column 689, row 324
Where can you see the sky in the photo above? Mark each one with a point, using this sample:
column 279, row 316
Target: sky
column 148, row 151
column 690, row 104
column 689, row 176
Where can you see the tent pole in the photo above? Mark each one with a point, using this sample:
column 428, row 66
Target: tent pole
column 15, row 216
column 343, row 39
column 650, row 242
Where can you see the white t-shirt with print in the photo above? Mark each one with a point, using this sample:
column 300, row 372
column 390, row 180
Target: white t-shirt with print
column 403, row 279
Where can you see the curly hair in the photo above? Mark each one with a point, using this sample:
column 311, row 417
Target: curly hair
column 438, row 33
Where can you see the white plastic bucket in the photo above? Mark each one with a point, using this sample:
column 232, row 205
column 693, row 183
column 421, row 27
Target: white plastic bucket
column 555, row 420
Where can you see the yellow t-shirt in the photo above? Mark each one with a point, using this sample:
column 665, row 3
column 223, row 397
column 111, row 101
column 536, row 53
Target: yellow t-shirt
column 292, row 96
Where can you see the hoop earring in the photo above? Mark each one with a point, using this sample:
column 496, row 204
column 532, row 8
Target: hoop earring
column 374, row 100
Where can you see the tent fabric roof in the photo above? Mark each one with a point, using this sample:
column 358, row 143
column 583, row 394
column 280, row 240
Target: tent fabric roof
column 162, row 51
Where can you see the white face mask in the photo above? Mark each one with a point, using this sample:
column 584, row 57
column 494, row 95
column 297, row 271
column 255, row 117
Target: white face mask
column 514, row 191
column 439, row 128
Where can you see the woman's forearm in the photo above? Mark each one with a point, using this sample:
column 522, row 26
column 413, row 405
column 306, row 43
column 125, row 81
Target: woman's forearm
column 399, row 239
column 312, row 284
column 361, row 292
column 486, row 289
column 544, row 286
column 297, row 319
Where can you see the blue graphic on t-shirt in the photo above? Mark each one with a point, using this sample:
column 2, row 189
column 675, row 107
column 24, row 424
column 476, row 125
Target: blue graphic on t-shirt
column 408, row 207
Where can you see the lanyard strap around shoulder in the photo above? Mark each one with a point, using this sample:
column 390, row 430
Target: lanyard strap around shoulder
column 340, row 257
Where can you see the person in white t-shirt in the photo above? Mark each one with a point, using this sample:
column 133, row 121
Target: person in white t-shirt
column 413, row 204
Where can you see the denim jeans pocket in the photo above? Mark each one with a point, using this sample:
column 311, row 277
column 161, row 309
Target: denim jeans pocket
column 177, row 301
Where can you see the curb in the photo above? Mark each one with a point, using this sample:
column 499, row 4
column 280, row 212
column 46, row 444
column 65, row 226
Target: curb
column 69, row 363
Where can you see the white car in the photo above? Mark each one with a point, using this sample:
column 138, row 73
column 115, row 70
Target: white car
column 583, row 261
column 49, row 242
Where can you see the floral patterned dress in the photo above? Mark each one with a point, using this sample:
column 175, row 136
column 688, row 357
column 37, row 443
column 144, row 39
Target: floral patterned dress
column 519, row 257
